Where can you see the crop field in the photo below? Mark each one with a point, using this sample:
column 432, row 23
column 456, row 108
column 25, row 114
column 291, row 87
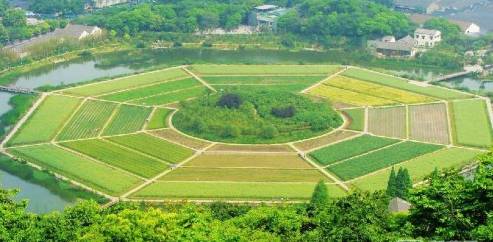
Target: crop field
column 233, row 190
column 88, row 121
column 76, row 167
column 119, row 157
column 420, row 167
column 324, row 140
column 372, row 89
column 263, row 69
column 251, row 148
column 471, row 123
column 357, row 118
column 432, row 91
column 158, row 119
column 124, row 137
column 338, row 95
column 388, row 121
column 153, row 90
column 128, row 119
column 347, row 149
column 172, row 97
column 176, row 137
column 153, row 146
column 44, row 124
column 429, row 123
column 371, row 162
column 244, row 175
column 127, row 82
column 238, row 160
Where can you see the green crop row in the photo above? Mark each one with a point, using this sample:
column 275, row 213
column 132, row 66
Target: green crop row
column 88, row 121
column 158, row 119
column 154, row 146
column 357, row 116
column 128, row 119
column 118, row 157
column 84, row 170
column 172, row 97
column 471, row 123
column 350, row 148
column 383, row 158
column 264, row 69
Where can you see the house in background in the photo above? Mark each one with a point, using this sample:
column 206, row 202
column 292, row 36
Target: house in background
column 417, row 6
column 71, row 31
column 398, row 205
column 265, row 17
column 408, row 46
column 427, row 38
column 468, row 28
column 107, row 3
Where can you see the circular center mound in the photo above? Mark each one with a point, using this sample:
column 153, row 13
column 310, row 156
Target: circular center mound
column 255, row 117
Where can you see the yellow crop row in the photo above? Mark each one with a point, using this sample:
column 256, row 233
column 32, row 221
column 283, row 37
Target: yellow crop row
column 372, row 89
column 349, row 97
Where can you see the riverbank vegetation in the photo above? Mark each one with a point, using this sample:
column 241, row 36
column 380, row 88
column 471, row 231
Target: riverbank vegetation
column 432, row 217
column 20, row 104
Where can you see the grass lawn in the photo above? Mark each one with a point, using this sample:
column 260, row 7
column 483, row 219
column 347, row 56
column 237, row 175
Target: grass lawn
column 339, row 95
column 152, row 90
column 432, row 91
column 213, row 160
column 377, row 90
column 263, row 69
column 46, row 121
column 420, row 167
column 158, row 119
column 375, row 161
column 154, row 146
column 244, row 175
column 88, row 121
column 357, row 116
column 127, row 82
column 83, row 170
column 350, row 148
column 118, row 157
column 232, row 190
column 471, row 123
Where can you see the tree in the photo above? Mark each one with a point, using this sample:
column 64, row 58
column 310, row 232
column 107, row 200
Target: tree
column 269, row 132
column 403, row 183
column 14, row 18
column 392, row 184
column 230, row 100
column 320, row 196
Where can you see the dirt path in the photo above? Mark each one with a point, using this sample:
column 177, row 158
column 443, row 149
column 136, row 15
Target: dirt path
column 322, row 81
column 199, row 79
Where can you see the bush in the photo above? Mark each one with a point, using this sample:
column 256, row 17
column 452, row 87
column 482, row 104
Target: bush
column 284, row 112
column 230, row 100
column 269, row 132
column 230, row 131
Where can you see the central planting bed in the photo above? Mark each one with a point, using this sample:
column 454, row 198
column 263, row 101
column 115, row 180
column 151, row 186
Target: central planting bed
column 255, row 117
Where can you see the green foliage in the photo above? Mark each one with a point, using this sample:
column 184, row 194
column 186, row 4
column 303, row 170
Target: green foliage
column 399, row 185
column 392, row 184
column 20, row 104
column 249, row 118
column 320, row 196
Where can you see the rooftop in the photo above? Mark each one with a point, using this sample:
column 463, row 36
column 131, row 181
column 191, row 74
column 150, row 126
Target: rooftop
column 399, row 205
column 266, row 7
column 427, row 31
column 404, row 44
column 422, row 18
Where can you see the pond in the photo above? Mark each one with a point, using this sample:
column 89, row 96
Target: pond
column 470, row 83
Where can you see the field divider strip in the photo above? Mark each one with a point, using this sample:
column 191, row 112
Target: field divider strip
column 24, row 119
column 263, row 75
column 367, row 120
column 138, row 152
column 322, row 81
column 336, row 142
column 408, row 123
column 69, row 119
column 110, row 119
column 247, row 182
column 273, row 153
column 199, row 79
column 248, row 167
column 320, row 169
column 489, row 109
column 149, row 118
column 123, row 77
column 115, row 102
column 206, row 201
column 25, row 145
column 170, row 141
column 449, row 122
column 129, row 101
column 98, row 161
column 363, row 154
column 62, row 177
column 176, row 166
column 140, row 86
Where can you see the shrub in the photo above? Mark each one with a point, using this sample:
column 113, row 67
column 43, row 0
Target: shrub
column 269, row 132
column 230, row 100
column 284, row 112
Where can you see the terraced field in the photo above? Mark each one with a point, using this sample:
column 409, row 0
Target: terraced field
column 116, row 137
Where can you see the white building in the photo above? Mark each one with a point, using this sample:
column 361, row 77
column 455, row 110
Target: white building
column 107, row 3
column 468, row 28
column 427, row 38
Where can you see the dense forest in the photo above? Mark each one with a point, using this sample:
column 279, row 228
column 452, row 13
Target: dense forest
column 449, row 207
